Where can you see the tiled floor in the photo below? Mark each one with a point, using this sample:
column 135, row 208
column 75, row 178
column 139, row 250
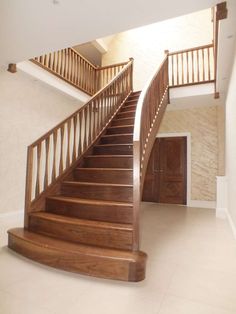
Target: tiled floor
column 191, row 270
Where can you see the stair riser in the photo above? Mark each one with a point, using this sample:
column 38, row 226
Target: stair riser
column 110, row 193
column 120, row 130
column 105, row 237
column 116, row 139
column 109, row 162
column 104, row 176
column 127, row 114
column 114, row 150
column 130, row 107
column 116, row 214
column 118, row 122
column 133, row 99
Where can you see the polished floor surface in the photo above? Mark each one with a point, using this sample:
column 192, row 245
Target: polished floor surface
column 191, row 270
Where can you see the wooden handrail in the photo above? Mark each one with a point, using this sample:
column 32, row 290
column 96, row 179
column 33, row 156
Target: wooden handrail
column 53, row 154
column 76, row 70
column 192, row 66
column 190, row 49
column 150, row 110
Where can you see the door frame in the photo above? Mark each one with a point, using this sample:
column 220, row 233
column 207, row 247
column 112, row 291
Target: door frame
column 189, row 158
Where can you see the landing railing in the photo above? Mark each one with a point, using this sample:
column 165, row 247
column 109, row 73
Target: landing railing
column 55, row 153
column 76, row 70
column 150, row 110
column 192, row 66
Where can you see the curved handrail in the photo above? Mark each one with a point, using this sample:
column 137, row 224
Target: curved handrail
column 54, row 153
column 150, row 109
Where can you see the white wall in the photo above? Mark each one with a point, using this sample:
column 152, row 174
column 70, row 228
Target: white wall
column 28, row 108
column 147, row 44
column 29, row 28
column 231, row 143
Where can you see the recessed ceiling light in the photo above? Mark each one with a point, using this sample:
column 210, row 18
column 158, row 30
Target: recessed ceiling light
column 230, row 36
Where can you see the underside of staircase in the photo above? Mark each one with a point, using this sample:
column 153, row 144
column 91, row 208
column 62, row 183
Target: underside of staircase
column 87, row 228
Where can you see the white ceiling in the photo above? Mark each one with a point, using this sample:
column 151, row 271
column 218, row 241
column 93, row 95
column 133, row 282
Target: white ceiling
column 29, row 28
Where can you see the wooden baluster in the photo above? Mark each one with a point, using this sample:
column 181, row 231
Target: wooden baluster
column 61, row 164
column 76, row 70
column 69, row 65
column 90, row 127
column 38, row 175
column 62, row 62
column 66, row 63
column 29, row 181
column 68, row 143
column 46, row 61
column 177, row 72
column 209, row 69
column 47, row 141
column 182, row 61
column 187, row 67
column 54, row 62
column 94, row 120
column 193, row 76
column 80, row 146
column 99, row 113
column 173, row 70
column 198, row 67
column 75, row 129
column 54, row 171
column 203, row 66
column 85, row 128
column 49, row 61
column 58, row 62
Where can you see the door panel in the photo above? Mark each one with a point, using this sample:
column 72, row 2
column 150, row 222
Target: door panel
column 166, row 176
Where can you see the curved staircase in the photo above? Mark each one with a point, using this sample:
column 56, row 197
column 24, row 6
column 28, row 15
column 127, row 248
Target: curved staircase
column 88, row 226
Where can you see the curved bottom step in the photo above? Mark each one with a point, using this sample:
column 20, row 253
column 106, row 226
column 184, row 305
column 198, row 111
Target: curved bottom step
column 78, row 258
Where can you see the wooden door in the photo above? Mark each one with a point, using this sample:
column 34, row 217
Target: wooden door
column 166, row 176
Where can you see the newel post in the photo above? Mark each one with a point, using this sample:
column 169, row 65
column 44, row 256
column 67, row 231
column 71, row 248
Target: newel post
column 28, row 185
column 131, row 74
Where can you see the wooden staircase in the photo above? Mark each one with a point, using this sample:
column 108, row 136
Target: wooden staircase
column 88, row 226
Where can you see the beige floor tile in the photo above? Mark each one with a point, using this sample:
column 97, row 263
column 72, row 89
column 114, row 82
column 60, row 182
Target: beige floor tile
column 9, row 304
column 107, row 301
column 199, row 284
column 175, row 305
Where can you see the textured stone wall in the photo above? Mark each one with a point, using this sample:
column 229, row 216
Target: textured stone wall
column 202, row 123
column 147, row 44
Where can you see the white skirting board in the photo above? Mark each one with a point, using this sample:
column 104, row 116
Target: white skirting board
column 232, row 224
column 202, row 204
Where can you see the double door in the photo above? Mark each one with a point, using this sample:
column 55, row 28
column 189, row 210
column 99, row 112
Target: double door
column 166, row 176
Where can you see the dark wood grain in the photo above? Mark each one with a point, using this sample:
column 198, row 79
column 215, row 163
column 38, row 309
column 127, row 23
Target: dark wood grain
column 87, row 260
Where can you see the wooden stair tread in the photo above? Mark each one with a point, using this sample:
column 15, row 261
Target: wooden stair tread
column 65, row 246
column 82, row 222
column 131, row 111
column 105, row 169
column 122, row 134
column 108, row 156
column 121, row 126
column 89, row 201
column 114, row 144
column 96, row 184
column 122, row 118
